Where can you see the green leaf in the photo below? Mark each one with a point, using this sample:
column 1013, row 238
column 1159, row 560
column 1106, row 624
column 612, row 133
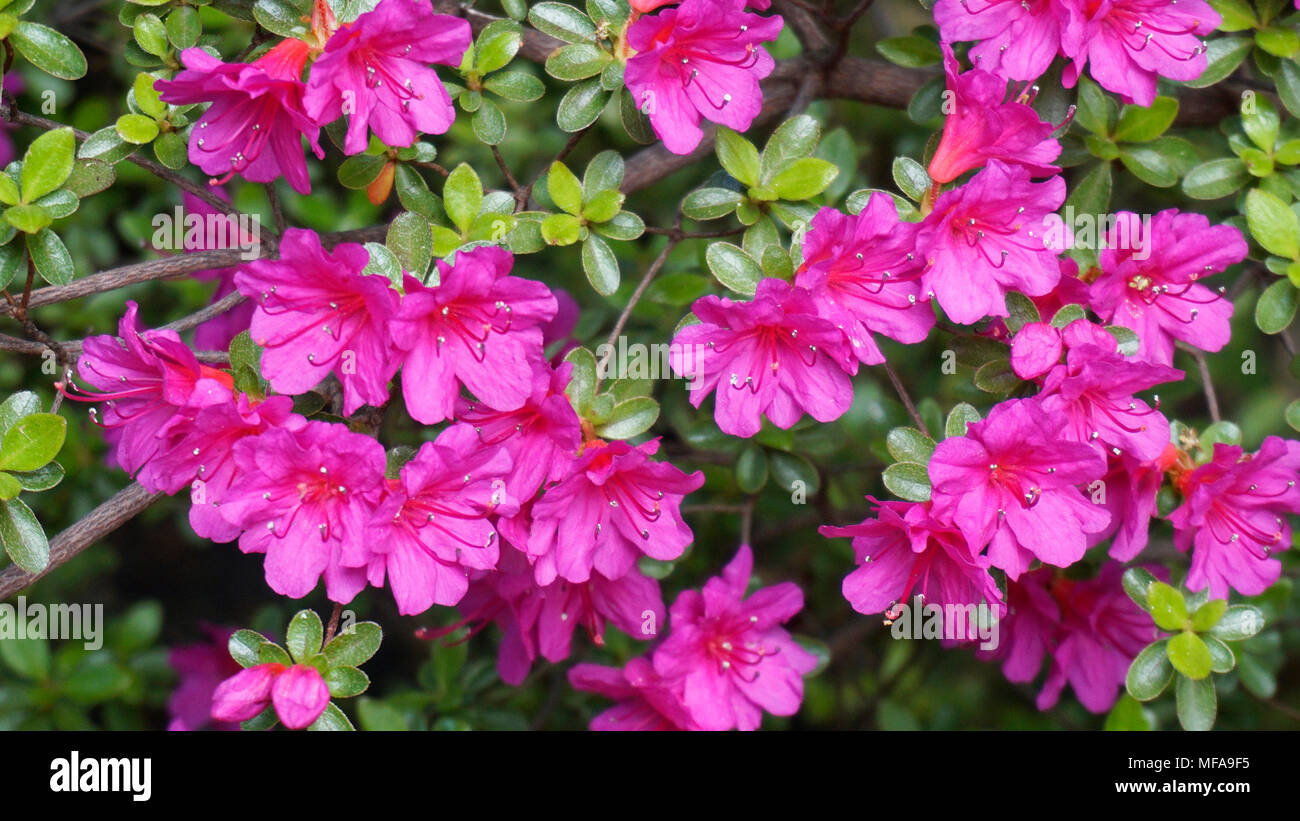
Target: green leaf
column 1261, row 122
column 804, row 179
column 146, row 96
column 582, row 385
column 564, row 188
column 51, row 257
column 1137, row 582
column 996, row 377
column 1150, row 673
column 792, row 471
column 517, row 86
column 1189, row 655
column 346, row 682
column 604, row 173
column 1256, row 677
column 48, row 50
column 911, row 178
column 29, row 658
column 738, row 156
column 413, row 192
column 625, row 226
column 375, row 715
column 911, row 51
column 751, row 468
column 170, row 150
column 137, row 129
column 1222, row 659
column 1067, row 315
column 1140, row 125
column 1279, row 41
column 1092, row 193
column 304, row 636
column 1096, row 111
column 581, row 105
column 1215, row 179
column 793, row 139
column 23, row 538
column 1168, row 607
column 489, row 123
column 603, row 206
column 1237, row 15
column 184, row 27
column 33, row 442
column 43, row 478
column 561, row 229
column 1197, row 703
column 245, row 647
column 359, row 170
column 13, row 261
column 562, row 21
column 1276, row 307
column 908, row 480
column 631, row 417
column 1287, row 78
column 1273, row 224
column 15, row 407
column 1149, row 165
column 151, row 34
column 9, row 487
column 106, row 146
column 959, row 418
column 28, row 218
column 332, row 720
column 1127, row 715
column 354, row 646
column 909, row 445
column 1208, row 614
column 8, row 190
column 462, row 196
column 48, row 163
column 497, row 45
column 600, row 265
column 733, row 267
column 1222, row 58
column 411, row 241
column 710, row 203
column 577, row 62
column 1239, row 622
column 1292, row 414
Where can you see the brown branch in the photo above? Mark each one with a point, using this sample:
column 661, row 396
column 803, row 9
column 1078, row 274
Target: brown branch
column 101, row 521
column 536, row 46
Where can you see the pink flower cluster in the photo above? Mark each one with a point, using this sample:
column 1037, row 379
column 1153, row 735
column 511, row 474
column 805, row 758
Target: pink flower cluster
column 1127, row 44
column 725, row 662
column 374, row 69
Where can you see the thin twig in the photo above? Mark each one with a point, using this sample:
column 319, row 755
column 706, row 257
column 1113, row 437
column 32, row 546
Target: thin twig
column 906, row 399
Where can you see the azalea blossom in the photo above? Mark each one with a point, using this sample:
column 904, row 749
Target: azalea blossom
column 616, row 504
column 643, row 701
column 1159, row 296
column 905, row 550
column 1233, row 516
column 1010, row 483
column 984, row 124
column 318, row 313
column 864, row 278
column 1128, row 44
column 298, row 694
column 1017, row 38
column 432, row 528
column 728, row 652
column 216, row 333
column 256, row 122
column 479, row 327
column 201, row 667
column 988, row 237
column 773, row 356
column 701, row 60
column 304, row 498
column 376, row 70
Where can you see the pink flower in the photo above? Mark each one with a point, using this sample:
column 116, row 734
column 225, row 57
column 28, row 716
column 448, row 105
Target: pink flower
column 479, row 327
column 304, row 499
column 376, row 70
column 298, row 693
column 863, row 277
column 729, row 654
column 643, row 702
column 542, row 437
column 1091, row 630
column 541, row 619
column 905, row 550
column 203, row 457
column 771, row 356
column 255, row 107
column 988, row 237
column 151, row 386
column 1132, row 42
column 1131, row 490
column 1095, row 390
column 200, row 667
column 433, row 528
column 983, row 125
column 1233, row 516
column 1010, row 483
column 317, row 313
column 1018, row 38
column 700, row 60
column 1154, row 289
column 616, row 504
column 215, row 334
